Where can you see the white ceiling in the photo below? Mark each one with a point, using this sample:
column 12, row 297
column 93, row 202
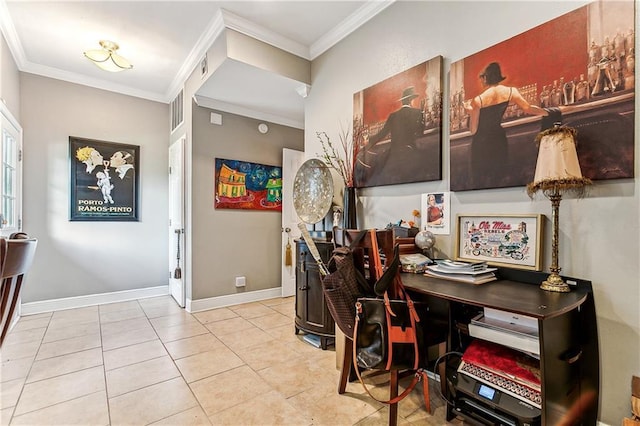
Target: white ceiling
column 166, row 40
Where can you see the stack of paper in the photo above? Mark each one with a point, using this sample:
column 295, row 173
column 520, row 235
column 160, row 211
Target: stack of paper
column 474, row 273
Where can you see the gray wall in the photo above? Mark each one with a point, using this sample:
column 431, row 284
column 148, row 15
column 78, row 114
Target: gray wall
column 229, row 243
column 599, row 235
column 83, row 258
column 9, row 80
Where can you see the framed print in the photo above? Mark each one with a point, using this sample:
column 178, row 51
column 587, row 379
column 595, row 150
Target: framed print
column 501, row 240
column 435, row 212
column 402, row 120
column 577, row 70
column 104, row 180
column 247, row 186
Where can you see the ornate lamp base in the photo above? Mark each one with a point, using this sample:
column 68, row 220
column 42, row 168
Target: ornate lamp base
column 555, row 283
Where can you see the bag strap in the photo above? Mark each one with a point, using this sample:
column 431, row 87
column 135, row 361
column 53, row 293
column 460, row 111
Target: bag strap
column 419, row 375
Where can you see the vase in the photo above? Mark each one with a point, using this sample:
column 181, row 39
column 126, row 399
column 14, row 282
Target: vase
column 349, row 214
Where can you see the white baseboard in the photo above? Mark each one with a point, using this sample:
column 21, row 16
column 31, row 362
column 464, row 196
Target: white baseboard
column 232, row 299
column 32, row 308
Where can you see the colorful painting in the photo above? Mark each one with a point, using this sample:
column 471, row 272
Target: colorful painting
column 244, row 185
column 576, row 70
column 104, row 180
column 401, row 119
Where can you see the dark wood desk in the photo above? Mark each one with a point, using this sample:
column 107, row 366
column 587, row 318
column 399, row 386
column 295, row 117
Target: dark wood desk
column 569, row 357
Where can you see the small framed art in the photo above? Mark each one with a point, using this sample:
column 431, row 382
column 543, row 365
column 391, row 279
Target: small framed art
column 501, row 239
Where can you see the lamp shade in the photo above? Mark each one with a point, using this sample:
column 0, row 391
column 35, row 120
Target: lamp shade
column 557, row 168
column 107, row 58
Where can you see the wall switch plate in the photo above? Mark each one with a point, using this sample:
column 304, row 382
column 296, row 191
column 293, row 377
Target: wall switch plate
column 241, row 281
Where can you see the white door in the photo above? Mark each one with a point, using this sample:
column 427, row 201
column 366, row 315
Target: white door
column 291, row 162
column 10, row 173
column 176, row 221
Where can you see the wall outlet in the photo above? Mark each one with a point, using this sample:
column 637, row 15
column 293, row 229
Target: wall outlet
column 241, row 281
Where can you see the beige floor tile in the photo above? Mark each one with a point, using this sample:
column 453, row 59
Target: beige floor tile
column 162, row 310
column 10, row 392
column 246, row 338
column 289, row 379
column 266, row 355
column 327, row 407
column 67, row 331
column 287, row 309
column 157, row 301
column 284, row 333
column 267, row 409
column 251, row 310
column 27, row 323
column 67, row 346
column 5, row 416
column 74, row 316
column 57, row 366
column 125, row 325
column 86, row 410
column 214, row 315
column 278, row 301
column 193, row 345
column 19, row 350
column 181, row 331
column 132, row 354
column 59, row 389
column 192, row 417
column 228, row 389
column 152, row 403
column 269, row 321
column 15, row 368
column 127, row 337
column 113, row 316
column 136, row 376
column 118, row 306
column 229, row 326
column 25, row 336
column 36, row 316
column 207, row 364
column 170, row 320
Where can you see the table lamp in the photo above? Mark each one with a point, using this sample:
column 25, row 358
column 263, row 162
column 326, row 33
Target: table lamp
column 557, row 172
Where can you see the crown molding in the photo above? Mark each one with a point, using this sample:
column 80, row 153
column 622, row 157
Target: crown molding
column 260, row 33
column 214, row 29
column 347, row 26
column 96, row 83
column 214, row 104
column 11, row 36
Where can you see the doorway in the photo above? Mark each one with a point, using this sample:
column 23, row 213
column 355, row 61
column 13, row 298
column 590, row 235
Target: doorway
column 176, row 233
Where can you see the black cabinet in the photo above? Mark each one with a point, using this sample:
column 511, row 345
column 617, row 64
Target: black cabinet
column 312, row 314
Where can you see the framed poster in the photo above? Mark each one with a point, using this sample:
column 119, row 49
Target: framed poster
column 577, row 69
column 247, row 186
column 402, row 117
column 104, row 180
column 501, row 240
column 435, row 212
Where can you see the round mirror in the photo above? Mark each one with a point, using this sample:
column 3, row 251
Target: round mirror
column 312, row 191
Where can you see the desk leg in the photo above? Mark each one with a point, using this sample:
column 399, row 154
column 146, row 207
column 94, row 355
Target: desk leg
column 393, row 392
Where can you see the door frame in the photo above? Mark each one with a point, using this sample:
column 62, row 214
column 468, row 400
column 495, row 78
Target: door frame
column 179, row 294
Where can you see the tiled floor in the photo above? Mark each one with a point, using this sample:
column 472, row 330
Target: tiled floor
column 149, row 362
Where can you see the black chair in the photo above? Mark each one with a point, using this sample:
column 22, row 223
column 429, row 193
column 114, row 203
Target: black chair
column 16, row 257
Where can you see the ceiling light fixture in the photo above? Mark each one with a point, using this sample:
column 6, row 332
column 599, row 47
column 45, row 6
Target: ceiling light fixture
column 107, row 58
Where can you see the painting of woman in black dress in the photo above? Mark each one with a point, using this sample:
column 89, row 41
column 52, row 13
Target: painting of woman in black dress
column 576, row 70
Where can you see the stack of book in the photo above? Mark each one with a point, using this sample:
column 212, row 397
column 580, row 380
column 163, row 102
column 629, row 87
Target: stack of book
column 468, row 272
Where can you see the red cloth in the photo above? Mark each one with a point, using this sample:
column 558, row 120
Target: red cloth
column 503, row 361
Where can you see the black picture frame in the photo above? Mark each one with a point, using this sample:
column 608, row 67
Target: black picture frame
column 104, row 181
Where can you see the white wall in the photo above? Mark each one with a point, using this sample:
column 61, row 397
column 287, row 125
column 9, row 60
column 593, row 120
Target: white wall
column 599, row 235
column 85, row 258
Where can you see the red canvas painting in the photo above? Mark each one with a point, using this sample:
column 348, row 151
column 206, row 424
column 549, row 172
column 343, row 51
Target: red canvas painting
column 401, row 118
column 577, row 70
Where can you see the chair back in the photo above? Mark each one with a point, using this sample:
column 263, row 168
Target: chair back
column 362, row 249
column 16, row 257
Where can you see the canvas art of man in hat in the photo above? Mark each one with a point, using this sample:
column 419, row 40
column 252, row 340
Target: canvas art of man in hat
column 403, row 127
